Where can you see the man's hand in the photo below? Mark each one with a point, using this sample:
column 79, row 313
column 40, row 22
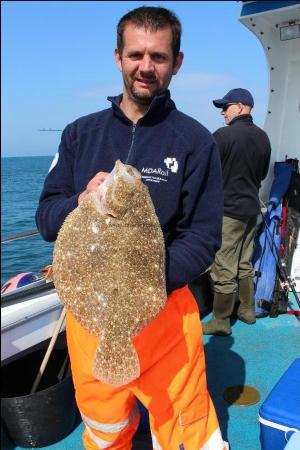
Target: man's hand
column 93, row 185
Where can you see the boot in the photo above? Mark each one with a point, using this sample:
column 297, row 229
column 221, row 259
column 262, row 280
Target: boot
column 246, row 311
column 222, row 310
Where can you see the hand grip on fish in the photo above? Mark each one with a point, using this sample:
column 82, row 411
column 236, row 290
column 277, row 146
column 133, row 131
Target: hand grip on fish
column 109, row 269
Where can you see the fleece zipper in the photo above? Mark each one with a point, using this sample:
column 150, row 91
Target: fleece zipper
column 132, row 142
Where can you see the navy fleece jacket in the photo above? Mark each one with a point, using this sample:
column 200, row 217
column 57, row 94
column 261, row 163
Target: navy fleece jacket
column 179, row 162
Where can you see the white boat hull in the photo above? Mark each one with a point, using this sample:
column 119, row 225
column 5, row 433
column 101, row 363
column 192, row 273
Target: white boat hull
column 28, row 322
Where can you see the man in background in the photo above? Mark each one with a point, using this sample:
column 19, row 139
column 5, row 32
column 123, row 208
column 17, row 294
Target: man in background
column 245, row 156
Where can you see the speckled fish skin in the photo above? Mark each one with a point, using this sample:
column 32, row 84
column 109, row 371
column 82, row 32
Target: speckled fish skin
column 109, row 270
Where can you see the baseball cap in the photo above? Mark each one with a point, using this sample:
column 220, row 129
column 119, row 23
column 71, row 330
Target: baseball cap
column 235, row 96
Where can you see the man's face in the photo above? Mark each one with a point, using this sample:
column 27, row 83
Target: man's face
column 230, row 111
column 146, row 62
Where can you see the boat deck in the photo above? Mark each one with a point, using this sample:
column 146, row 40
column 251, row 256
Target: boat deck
column 255, row 355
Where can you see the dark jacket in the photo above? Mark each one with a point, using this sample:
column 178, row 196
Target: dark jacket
column 179, row 162
column 245, row 152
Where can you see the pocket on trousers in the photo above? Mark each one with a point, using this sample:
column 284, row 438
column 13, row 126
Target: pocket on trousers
column 194, row 412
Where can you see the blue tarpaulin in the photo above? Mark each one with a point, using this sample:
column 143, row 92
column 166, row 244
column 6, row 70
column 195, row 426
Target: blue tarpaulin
column 267, row 242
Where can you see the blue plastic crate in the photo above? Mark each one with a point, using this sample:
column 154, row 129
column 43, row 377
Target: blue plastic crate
column 280, row 413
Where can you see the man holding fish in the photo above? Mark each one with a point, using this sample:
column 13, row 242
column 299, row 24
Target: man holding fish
column 176, row 158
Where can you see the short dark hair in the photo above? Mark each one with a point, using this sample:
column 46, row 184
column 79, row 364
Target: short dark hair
column 151, row 18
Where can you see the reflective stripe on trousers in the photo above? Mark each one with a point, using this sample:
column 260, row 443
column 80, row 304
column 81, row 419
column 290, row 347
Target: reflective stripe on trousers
column 107, row 428
column 214, row 442
column 172, row 384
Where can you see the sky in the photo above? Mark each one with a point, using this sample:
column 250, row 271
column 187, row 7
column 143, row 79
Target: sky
column 58, row 65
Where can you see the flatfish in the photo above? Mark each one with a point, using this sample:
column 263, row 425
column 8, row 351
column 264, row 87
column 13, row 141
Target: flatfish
column 109, row 270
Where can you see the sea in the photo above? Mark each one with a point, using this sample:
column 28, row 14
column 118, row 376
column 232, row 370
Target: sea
column 22, row 183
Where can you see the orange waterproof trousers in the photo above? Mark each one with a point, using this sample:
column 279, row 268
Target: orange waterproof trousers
column 172, row 385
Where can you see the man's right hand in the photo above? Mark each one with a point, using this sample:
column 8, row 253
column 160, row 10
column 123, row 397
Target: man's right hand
column 93, row 185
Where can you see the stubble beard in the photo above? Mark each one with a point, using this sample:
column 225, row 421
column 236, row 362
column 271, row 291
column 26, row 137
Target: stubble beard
column 143, row 98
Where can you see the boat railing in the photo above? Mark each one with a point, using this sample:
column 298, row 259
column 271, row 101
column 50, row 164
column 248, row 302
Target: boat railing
column 17, row 236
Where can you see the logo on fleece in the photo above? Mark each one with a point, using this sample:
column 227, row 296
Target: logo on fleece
column 158, row 174
column 171, row 164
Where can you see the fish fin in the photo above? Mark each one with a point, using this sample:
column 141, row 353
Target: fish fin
column 116, row 363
